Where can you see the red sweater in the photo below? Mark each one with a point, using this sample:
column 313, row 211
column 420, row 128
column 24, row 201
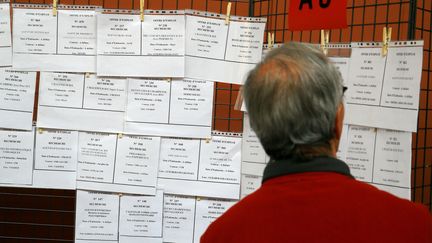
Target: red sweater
column 323, row 205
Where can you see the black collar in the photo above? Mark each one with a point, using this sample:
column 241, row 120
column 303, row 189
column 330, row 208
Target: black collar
column 277, row 168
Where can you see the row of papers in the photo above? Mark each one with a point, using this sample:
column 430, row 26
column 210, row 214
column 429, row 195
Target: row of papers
column 377, row 156
column 154, row 219
column 125, row 164
column 166, row 44
column 382, row 92
column 73, row 101
column 140, row 164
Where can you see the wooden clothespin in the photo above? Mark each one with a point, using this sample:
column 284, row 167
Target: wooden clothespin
column 40, row 130
column 228, row 14
column 239, row 100
column 387, row 33
column 87, row 75
column 270, row 40
column 198, row 199
column 325, row 39
column 54, row 7
column 169, row 80
column 142, row 10
column 207, row 140
column 120, row 194
column 120, row 135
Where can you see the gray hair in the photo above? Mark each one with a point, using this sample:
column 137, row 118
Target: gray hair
column 292, row 97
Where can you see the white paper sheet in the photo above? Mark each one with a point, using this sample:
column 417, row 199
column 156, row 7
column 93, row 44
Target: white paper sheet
column 76, row 102
column 55, row 159
column 342, row 64
column 366, row 74
column 179, row 158
column 360, row 152
column 5, row 36
column 16, row 157
column 254, row 158
column 401, row 85
column 131, row 48
column 62, row 43
column 215, row 174
column 382, row 91
column 97, row 217
column 249, row 184
column 207, row 211
column 137, row 160
column 180, row 108
column 222, row 52
column 179, row 216
column 17, row 92
column 392, row 163
column 109, row 163
column 96, row 158
column 141, row 217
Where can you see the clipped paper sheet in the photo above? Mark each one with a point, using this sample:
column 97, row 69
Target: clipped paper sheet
column 207, row 211
column 127, row 164
column 254, row 158
column 55, row 159
column 392, row 163
column 131, row 48
column 382, row 91
column 141, row 218
column 62, row 43
column 249, row 184
column 179, row 216
column 97, row 217
column 5, row 35
column 17, row 91
column 342, row 64
column 197, row 167
column 379, row 156
column 360, row 152
column 219, row 52
column 79, row 102
column 16, row 157
column 266, row 49
column 178, row 108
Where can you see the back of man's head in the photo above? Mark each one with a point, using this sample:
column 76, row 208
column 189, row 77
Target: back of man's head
column 292, row 98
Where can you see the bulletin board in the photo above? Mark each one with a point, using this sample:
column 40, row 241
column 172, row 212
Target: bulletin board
column 36, row 215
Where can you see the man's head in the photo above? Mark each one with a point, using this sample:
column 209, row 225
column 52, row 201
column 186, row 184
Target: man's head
column 294, row 101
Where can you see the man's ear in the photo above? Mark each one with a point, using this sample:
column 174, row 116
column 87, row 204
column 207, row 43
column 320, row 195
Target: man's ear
column 340, row 114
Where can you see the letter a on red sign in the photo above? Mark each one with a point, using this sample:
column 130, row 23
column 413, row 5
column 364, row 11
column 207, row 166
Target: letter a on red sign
column 317, row 14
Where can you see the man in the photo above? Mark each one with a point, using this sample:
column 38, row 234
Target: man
column 294, row 98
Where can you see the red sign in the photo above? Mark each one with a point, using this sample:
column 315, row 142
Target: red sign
column 317, row 14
